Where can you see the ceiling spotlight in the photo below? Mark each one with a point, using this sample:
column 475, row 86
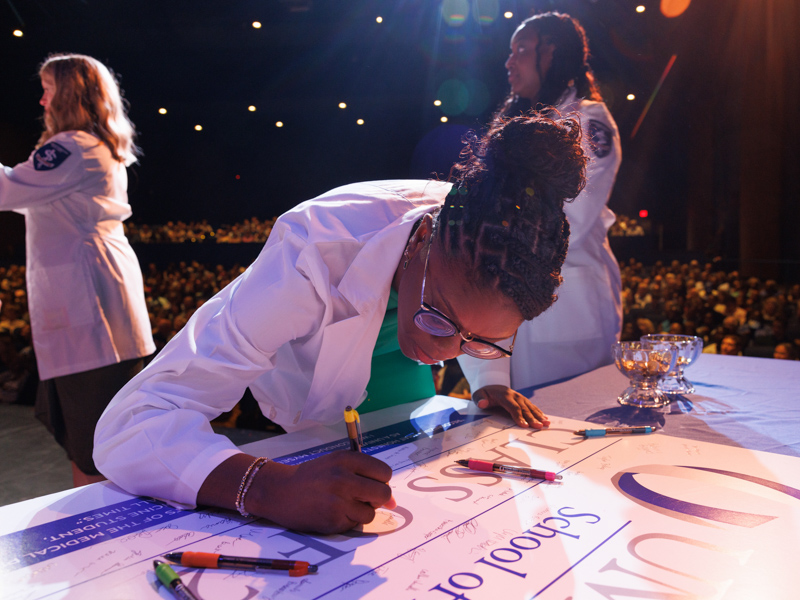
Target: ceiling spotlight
column 640, row 9
column 256, row 24
column 198, row 128
column 162, row 111
column 437, row 102
column 251, row 108
column 631, row 97
column 379, row 19
column 278, row 123
column 360, row 122
column 342, row 105
column 508, row 14
column 443, row 119
column 17, row 33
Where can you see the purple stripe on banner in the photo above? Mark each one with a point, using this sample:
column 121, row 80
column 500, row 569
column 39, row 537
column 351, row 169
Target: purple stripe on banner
column 59, row 537
column 62, row 536
column 390, row 436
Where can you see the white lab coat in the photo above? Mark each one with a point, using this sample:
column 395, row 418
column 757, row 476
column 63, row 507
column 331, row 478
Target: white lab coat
column 298, row 327
column 85, row 289
column 575, row 334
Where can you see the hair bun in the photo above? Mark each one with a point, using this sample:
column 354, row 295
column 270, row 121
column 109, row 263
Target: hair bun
column 538, row 151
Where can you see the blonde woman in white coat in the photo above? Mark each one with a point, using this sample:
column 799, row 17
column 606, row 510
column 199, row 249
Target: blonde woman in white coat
column 547, row 69
column 465, row 265
column 86, row 298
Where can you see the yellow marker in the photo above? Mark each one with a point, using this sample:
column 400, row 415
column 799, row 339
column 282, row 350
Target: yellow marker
column 353, row 422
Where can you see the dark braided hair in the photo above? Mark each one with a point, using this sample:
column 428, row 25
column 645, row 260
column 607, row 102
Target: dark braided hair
column 504, row 218
column 570, row 62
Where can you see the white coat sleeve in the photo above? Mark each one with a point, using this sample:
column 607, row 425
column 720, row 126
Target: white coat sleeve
column 480, row 373
column 53, row 171
column 602, row 145
column 155, row 438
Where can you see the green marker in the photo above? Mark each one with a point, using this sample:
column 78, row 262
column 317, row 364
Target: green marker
column 170, row 579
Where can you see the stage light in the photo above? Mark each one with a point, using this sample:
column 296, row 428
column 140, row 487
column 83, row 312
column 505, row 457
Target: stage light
column 17, row 33
column 640, row 9
column 360, row 122
column 643, row 214
column 237, row 177
column 251, row 108
column 455, row 12
column 162, row 111
column 256, row 24
column 379, row 19
column 437, row 102
column 674, row 8
column 279, row 124
column 342, row 105
column 508, row 14
column 198, row 128
column 631, row 97
column 443, row 119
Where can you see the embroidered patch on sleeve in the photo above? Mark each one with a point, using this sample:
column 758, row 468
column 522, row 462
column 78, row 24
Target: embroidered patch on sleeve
column 601, row 140
column 50, row 156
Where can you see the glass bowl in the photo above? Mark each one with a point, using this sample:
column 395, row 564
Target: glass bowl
column 644, row 367
column 688, row 348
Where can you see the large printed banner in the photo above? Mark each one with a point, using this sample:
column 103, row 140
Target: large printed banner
column 646, row 516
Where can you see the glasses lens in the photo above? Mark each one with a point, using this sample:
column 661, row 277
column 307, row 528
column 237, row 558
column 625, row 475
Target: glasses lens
column 481, row 350
column 434, row 324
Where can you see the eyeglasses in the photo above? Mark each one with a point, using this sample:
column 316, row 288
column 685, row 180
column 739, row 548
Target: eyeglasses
column 435, row 322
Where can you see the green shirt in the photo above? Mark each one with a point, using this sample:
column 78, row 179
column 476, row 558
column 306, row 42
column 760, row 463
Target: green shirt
column 394, row 379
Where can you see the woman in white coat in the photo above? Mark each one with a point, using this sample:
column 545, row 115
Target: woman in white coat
column 86, row 298
column 447, row 269
column 548, row 68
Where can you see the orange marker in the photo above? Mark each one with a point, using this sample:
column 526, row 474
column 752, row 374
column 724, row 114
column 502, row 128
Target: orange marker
column 296, row 568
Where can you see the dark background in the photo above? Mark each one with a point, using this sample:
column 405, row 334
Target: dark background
column 716, row 160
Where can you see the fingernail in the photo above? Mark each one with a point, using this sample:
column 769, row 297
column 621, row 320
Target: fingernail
column 391, row 504
column 483, row 403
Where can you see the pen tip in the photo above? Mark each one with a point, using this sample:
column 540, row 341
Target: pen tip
column 463, row 462
column 173, row 556
column 313, row 568
column 348, row 407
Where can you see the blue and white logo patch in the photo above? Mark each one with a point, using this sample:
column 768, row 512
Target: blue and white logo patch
column 601, row 140
column 49, row 156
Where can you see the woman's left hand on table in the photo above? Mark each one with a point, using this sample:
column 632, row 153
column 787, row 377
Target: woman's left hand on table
column 521, row 409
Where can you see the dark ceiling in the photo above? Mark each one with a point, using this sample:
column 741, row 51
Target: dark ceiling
column 206, row 64
column 203, row 61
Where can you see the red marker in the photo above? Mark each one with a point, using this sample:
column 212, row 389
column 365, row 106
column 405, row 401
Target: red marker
column 296, row 568
column 483, row 465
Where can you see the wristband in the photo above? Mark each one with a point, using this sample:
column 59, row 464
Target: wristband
column 247, row 481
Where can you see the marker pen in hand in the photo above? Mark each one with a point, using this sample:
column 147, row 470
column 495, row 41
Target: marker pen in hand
column 353, row 422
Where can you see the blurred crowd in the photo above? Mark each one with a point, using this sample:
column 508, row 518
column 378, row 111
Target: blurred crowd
column 733, row 315
column 254, row 230
column 628, row 227
column 250, row 230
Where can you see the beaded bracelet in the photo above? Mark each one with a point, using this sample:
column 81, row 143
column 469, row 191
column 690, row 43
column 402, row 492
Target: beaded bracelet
column 247, row 480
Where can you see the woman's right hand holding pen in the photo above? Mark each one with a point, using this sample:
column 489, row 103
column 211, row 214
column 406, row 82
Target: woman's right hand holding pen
column 329, row 494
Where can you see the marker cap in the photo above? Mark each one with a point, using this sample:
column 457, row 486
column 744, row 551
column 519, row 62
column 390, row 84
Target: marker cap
column 595, row 432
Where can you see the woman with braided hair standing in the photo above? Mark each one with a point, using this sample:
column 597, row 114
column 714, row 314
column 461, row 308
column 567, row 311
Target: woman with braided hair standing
column 426, row 268
column 548, row 69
